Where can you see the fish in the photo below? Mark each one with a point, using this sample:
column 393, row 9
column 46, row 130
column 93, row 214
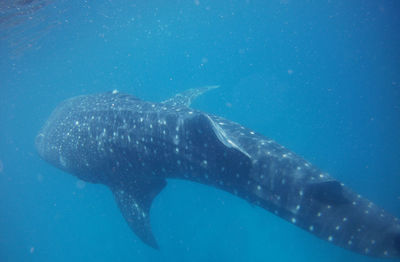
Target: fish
column 134, row 146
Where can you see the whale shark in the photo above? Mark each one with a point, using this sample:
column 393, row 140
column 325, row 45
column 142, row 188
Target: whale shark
column 133, row 146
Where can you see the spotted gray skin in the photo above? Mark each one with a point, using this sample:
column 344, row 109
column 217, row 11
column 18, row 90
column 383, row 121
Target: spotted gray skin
column 133, row 146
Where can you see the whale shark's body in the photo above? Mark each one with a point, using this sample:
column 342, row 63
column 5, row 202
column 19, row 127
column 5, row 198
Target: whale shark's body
column 133, row 146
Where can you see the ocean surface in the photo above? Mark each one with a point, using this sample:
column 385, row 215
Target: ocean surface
column 321, row 78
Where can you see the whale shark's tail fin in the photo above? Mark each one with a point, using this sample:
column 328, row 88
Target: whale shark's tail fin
column 134, row 201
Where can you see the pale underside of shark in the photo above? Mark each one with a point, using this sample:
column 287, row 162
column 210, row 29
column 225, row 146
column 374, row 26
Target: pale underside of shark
column 132, row 146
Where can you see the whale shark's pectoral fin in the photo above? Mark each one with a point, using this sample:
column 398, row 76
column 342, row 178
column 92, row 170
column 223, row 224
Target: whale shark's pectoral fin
column 185, row 98
column 134, row 201
column 329, row 192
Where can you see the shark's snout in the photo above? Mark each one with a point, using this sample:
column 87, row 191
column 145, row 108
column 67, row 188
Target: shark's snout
column 39, row 143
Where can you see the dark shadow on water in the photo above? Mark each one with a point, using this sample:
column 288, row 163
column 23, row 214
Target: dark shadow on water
column 23, row 23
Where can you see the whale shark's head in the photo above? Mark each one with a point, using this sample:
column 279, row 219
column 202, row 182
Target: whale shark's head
column 66, row 141
column 42, row 146
column 81, row 134
column 50, row 144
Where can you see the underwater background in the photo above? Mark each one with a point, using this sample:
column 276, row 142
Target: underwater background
column 321, row 78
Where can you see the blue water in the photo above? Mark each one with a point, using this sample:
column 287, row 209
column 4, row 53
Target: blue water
column 320, row 77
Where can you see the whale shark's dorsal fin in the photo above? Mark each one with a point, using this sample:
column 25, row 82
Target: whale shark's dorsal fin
column 134, row 201
column 185, row 98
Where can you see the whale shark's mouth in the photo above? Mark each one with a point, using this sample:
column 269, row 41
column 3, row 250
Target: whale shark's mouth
column 39, row 144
